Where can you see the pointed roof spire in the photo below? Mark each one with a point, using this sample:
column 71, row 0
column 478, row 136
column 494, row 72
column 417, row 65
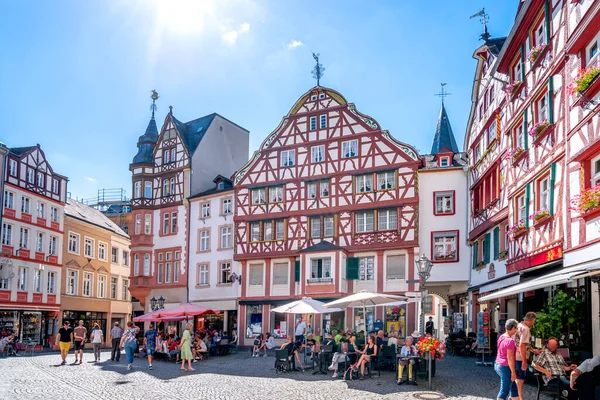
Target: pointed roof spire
column 147, row 141
column 444, row 138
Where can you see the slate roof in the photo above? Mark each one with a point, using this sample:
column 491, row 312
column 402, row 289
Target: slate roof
column 146, row 144
column 20, row 150
column 321, row 247
column 444, row 138
column 192, row 132
column 495, row 45
column 88, row 214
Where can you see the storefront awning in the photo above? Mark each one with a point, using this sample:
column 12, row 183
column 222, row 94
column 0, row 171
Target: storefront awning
column 502, row 283
column 553, row 278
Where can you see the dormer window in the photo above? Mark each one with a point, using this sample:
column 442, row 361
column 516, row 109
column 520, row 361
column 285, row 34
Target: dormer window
column 30, row 176
column 444, row 161
column 40, row 179
column 322, row 96
column 313, row 97
column 220, row 186
column 12, row 168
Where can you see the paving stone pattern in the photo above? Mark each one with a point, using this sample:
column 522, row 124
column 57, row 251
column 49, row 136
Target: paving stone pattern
column 235, row 376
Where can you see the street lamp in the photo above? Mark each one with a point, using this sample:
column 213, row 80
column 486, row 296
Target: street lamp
column 424, row 272
column 157, row 304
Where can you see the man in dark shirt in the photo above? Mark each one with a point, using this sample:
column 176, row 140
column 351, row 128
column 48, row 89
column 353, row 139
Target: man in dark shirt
column 380, row 340
column 64, row 340
column 429, row 326
column 150, row 343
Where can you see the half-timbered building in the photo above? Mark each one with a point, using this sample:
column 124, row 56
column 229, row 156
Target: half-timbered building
column 180, row 161
column 32, row 243
column 326, row 207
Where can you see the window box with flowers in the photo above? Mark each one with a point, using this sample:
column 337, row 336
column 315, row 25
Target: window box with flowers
column 517, row 229
column 535, row 54
column 538, row 129
column 503, row 255
column 539, row 216
column 586, row 84
column 481, row 264
column 512, row 89
column 516, row 154
column 587, row 203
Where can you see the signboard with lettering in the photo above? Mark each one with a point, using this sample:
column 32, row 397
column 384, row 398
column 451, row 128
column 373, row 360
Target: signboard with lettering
column 483, row 330
column 458, row 322
column 553, row 254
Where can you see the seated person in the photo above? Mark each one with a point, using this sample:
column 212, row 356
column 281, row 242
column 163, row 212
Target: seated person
column 554, row 368
column 312, row 344
column 174, row 349
column 270, row 342
column 369, row 351
column 380, row 340
column 338, row 336
column 340, row 355
column 393, row 339
column 407, row 350
column 233, row 341
column 201, row 349
column 258, row 344
column 292, row 349
column 586, row 377
column 360, row 340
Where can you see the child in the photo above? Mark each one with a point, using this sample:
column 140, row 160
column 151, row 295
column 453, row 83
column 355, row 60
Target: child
column 257, row 346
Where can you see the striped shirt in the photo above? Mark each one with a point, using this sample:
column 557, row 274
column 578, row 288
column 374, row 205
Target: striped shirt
column 116, row 332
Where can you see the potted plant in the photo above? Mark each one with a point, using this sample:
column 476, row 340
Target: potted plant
column 511, row 88
column 584, row 79
column 588, row 200
column 516, row 229
column 558, row 317
column 503, row 255
column 431, row 347
column 535, row 52
column 538, row 128
column 515, row 153
column 539, row 215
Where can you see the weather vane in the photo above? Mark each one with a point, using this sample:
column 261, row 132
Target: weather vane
column 443, row 94
column 318, row 70
column 154, row 97
column 484, row 18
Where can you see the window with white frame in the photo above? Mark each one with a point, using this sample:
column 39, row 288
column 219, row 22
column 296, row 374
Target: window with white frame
column 138, row 224
column 74, row 239
column 102, row 286
column 318, row 153
column 174, row 222
column 72, row 278
column 166, row 156
column 9, row 200
column 224, row 272
column 204, row 240
column 125, row 258
column 492, row 133
column 136, row 265
column 544, row 200
column 52, row 246
column 125, row 289
column 364, row 221
column 595, row 164
column 137, row 189
column 55, row 186
column 323, row 121
column 386, row 180
column 114, row 281
column 203, row 275
column 315, row 227
column 30, row 176
column 205, row 210
column 540, row 34
column 41, row 178
column 444, row 246
column 39, row 242
column 364, row 183
column 22, row 283
column 87, row 284
column 51, row 284
column 366, row 268
column 114, row 257
column 350, row 148
column 444, row 161
column 276, row 194
column 328, row 226
column 176, row 267
column 279, row 229
column 288, row 157
column 324, row 188
column 519, row 137
column 161, row 272
column 147, row 224
column 256, row 275
column 320, row 268
column 267, row 230
column 226, row 206
column 280, row 273
column 172, row 186
column 516, row 70
column 88, row 247
column 148, row 189
column 226, row 237
column 166, row 219
column 258, row 196
column 24, row 239
column 444, row 202
column 396, row 267
column 146, row 264
column 592, row 51
column 387, row 220
column 25, row 205
column 313, row 123
column 522, row 208
column 7, row 234
column 54, row 214
column 477, row 151
column 41, row 210
column 166, row 192
column 168, row 272
column 3, row 284
column 542, row 108
column 311, row 190
column 37, row 281
column 102, row 247
column 12, row 168
column 255, row 231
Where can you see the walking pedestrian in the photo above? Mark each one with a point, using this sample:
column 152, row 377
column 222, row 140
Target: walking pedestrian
column 506, row 363
column 79, row 333
column 523, row 343
column 115, row 333
column 64, row 341
column 186, row 350
column 97, row 340
column 129, row 342
column 150, row 339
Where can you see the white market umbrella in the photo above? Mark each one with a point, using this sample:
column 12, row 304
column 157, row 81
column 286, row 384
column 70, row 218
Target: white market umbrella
column 363, row 299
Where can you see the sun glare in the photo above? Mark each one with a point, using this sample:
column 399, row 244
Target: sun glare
column 183, row 16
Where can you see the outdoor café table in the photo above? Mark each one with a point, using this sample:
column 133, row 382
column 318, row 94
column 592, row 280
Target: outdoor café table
column 417, row 360
column 323, row 358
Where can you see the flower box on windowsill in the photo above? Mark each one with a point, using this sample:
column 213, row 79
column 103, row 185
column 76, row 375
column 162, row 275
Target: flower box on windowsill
column 480, row 265
column 584, row 96
column 539, row 130
column 513, row 89
column 542, row 220
column 516, row 159
column 517, row 231
column 591, row 214
column 536, row 55
column 503, row 255
column 319, row 280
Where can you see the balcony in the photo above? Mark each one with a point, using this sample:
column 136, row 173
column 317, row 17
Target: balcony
column 319, row 280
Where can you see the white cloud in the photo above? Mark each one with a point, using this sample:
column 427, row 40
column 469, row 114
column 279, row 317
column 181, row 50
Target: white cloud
column 89, row 178
column 232, row 36
column 294, row 43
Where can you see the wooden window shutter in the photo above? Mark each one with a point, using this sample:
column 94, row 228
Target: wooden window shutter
column 352, row 268
column 523, row 63
column 475, row 255
column 297, row 271
column 527, row 197
column 486, row 248
column 551, row 188
column 550, row 99
column 496, row 242
column 525, row 134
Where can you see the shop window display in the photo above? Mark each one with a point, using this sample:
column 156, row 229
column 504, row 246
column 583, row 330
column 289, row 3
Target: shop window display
column 9, row 322
column 89, row 318
column 254, row 320
column 279, row 326
column 359, row 319
column 333, row 322
column 32, row 327
column 395, row 320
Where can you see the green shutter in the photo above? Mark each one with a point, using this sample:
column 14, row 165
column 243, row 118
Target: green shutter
column 496, row 242
column 525, row 135
column 475, row 255
column 552, row 179
column 547, row 22
column 527, row 196
column 352, row 268
column 550, row 100
column 523, row 63
column 486, row 248
column 297, row 271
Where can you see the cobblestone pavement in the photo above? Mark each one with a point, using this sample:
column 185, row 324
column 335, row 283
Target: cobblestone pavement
column 235, row 376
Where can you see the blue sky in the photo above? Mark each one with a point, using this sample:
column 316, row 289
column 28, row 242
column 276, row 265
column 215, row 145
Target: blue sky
column 76, row 76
